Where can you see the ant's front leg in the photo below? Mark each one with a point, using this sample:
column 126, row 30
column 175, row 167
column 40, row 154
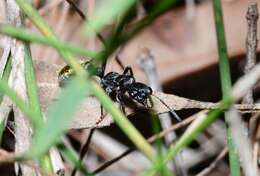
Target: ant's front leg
column 102, row 115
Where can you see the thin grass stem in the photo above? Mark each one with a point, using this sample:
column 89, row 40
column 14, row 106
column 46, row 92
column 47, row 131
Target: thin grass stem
column 225, row 81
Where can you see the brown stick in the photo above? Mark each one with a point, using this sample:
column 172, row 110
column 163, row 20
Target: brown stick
column 251, row 49
column 214, row 164
column 251, row 45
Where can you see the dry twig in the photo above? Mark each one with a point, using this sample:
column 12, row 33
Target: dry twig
column 251, row 45
column 57, row 163
column 213, row 165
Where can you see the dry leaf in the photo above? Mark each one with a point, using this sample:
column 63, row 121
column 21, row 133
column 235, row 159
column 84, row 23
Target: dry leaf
column 89, row 112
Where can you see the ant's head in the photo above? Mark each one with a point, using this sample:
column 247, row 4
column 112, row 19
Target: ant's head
column 93, row 69
column 140, row 93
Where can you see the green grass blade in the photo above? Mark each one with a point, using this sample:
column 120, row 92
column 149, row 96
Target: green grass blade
column 5, row 89
column 162, row 168
column 225, row 81
column 46, row 164
column 58, row 117
column 2, row 128
column 5, row 77
column 6, row 74
column 106, row 14
column 222, row 49
column 33, row 99
column 233, row 155
column 22, row 34
column 31, row 85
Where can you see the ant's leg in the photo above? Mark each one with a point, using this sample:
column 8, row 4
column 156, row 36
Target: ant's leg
column 119, row 99
column 102, row 73
column 84, row 149
column 103, row 68
column 128, row 71
column 122, row 107
column 102, row 115
column 118, row 61
column 117, row 58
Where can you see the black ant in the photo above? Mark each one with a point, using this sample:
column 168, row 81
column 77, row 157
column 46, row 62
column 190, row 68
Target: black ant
column 117, row 85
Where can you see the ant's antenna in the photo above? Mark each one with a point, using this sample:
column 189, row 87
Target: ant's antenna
column 171, row 110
